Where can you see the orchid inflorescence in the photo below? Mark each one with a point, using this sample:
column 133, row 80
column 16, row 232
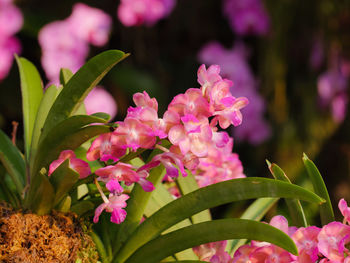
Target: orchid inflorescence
column 189, row 124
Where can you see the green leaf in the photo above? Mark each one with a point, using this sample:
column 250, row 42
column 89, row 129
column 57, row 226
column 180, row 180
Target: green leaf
column 32, row 93
column 66, row 135
column 186, row 185
column 48, row 99
column 62, row 180
column 41, row 195
column 65, row 75
column 295, row 209
column 80, row 84
column 208, row 197
column 136, row 206
column 13, row 161
column 256, row 211
column 159, row 198
column 326, row 210
column 211, row 231
column 102, row 115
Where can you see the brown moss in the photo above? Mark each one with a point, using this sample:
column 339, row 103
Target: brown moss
column 26, row 237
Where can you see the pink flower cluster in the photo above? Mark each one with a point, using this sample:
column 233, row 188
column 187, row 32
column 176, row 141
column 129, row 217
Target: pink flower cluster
column 328, row 244
column 332, row 88
column 65, row 44
column 234, row 65
column 189, row 124
column 143, row 12
column 247, row 17
column 11, row 21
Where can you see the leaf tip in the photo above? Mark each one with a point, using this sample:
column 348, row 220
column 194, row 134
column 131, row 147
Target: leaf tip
column 305, row 157
column 268, row 163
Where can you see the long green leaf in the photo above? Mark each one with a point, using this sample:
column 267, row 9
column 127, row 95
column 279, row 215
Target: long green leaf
column 211, row 231
column 136, row 207
column 295, row 209
column 256, row 211
column 187, row 185
column 79, row 85
column 51, row 145
column 62, row 180
column 65, row 76
column 326, row 210
column 208, row 197
column 32, row 93
column 46, row 102
column 13, row 161
column 159, row 198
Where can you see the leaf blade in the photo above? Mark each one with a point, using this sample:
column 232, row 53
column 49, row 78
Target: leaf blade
column 32, row 93
column 211, row 231
column 48, row 99
column 326, row 210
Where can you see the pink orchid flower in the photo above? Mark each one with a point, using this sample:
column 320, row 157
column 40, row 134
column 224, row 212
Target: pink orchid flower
column 191, row 102
column 208, row 77
column 90, row 24
column 105, row 147
column 112, row 174
column 242, row 254
column 332, row 240
column 134, row 134
column 206, row 252
column 147, row 12
column 345, row 210
column 193, row 136
column 231, row 114
column 114, row 205
column 78, row 165
column 306, row 241
column 247, row 17
column 171, row 161
column 270, row 254
column 144, row 100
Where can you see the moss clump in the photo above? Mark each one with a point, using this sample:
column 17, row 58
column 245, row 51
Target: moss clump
column 26, row 237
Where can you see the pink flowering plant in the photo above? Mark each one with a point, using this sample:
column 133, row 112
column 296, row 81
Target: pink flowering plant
column 148, row 182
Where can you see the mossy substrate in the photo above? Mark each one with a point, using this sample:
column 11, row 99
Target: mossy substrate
column 58, row 237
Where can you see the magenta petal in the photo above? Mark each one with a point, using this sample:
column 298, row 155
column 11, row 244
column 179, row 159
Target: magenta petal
column 98, row 211
column 118, row 215
column 147, row 186
column 114, row 187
